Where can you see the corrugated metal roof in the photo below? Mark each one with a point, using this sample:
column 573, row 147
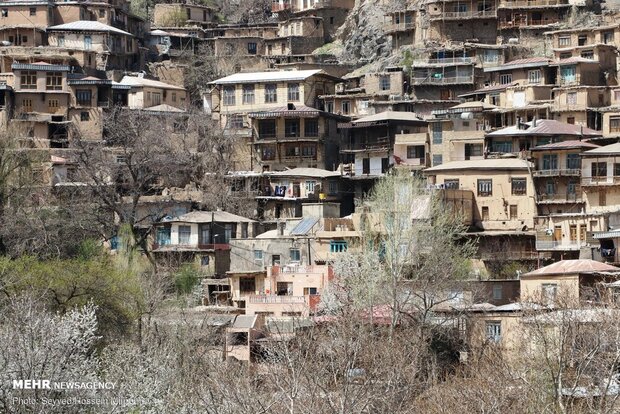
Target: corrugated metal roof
column 245, row 321
column 573, row 267
column 208, row 216
column 570, row 144
column 612, row 149
column 520, row 63
column 546, row 127
column 136, row 81
column 87, row 26
column 163, row 108
column 485, row 164
column 304, row 172
column 607, row 234
column 390, row 116
column 573, row 60
column 40, row 66
column 260, row 77
column 304, row 226
column 298, row 111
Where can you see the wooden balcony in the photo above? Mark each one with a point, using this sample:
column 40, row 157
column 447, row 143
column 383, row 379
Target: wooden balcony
column 472, row 14
column 570, row 172
column 522, row 4
column 600, row 181
column 189, row 247
column 276, row 300
column 525, row 23
column 452, row 80
column 399, row 27
column 560, row 198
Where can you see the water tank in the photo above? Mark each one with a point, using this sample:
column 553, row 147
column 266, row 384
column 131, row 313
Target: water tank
column 467, row 115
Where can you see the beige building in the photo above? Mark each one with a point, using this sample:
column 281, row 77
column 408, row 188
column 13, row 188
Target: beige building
column 292, row 290
column 503, row 190
column 179, row 14
column 234, row 96
column 145, row 93
column 115, row 48
column 600, row 177
column 23, row 23
column 569, row 279
column 291, row 137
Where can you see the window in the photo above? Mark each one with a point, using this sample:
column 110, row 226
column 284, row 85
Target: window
column 229, row 95
column 163, row 236
column 473, row 150
column 549, row 291
column 275, row 260
column 268, row 153
column 83, row 97
column 291, row 128
column 295, row 255
column 174, row 96
column 587, row 54
column 309, row 291
column 519, row 186
column 550, row 187
column 244, row 230
column 337, row 246
column 332, row 187
column 271, row 94
column 28, row 79
column 437, row 159
column 311, row 127
column 415, row 151
column 616, row 169
column 308, row 151
column 384, row 83
column 26, row 105
column 247, row 284
column 366, row 166
column 248, row 94
column 497, row 292
column 5, row 12
column 614, row 123
column 84, row 116
column 505, row 78
column 156, row 98
column 52, row 105
column 494, row 331
column 252, row 48
column 599, row 169
column 568, row 74
column 267, row 128
column 485, row 213
column 437, row 133
column 101, row 13
column 33, row 11
column 258, row 256
column 514, row 212
column 185, row 233
column 235, row 121
column 582, row 40
column 204, row 261
column 570, row 120
column 88, row 42
column 550, row 162
column 293, row 92
column 564, row 41
column 485, row 188
column 61, row 41
column 571, row 98
column 533, row 76
column 608, row 37
column 121, row 159
column 571, row 187
column 452, row 184
column 346, row 107
column 573, row 161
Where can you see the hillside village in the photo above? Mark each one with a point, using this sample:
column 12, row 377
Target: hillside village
column 250, row 152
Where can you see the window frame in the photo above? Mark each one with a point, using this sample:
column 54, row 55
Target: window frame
column 484, row 187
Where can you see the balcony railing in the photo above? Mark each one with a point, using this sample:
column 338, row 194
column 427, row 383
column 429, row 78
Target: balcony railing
column 399, row 27
column 531, row 3
column 201, row 246
column 445, row 61
column 277, row 300
column 430, row 80
column 560, row 198
column 275, row 7
column 509, row 24
column 558, row 245
column 569, row 172
column 587, row 181
column 484, row 14
column 295, row 269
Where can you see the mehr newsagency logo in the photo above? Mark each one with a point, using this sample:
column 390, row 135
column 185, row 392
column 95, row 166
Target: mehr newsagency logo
column 36, row 384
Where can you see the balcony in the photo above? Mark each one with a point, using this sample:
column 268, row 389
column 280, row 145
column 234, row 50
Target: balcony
column 595, row 181
column 560, row 198
column 419, row 138
column 518, row 4
column 521, row 23
column 452, row 80
column 296, row 269
column 458, row 60
column 379, row 145
column 558, row 245
column 399, row 27
column 277, row 300
column 264, row 138
column 457, row 15
column 187, row 247
column 569, row 172
column 275, row 7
